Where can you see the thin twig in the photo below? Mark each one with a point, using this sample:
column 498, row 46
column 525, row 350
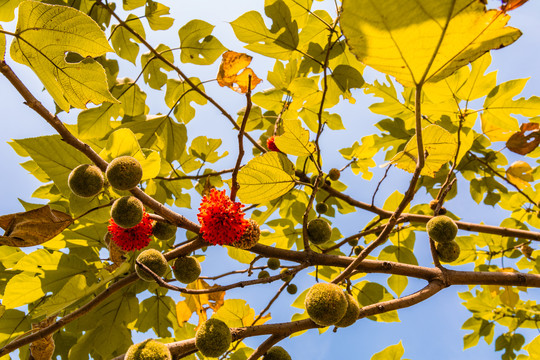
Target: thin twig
column 234, row 182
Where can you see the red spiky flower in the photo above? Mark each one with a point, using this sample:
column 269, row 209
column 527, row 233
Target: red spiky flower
column 222, row 220
column 134, row 238
column 271, row 144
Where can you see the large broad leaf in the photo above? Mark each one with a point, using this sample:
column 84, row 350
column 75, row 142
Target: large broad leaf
column 265, row 178
column 238, row 313
column 439, row 145
column 197, row 45
column 392, row 352
column 124, row 42
column 45, row 34
column 7, row 9
column 423, row 40
column 157, row 313
column 295, row 139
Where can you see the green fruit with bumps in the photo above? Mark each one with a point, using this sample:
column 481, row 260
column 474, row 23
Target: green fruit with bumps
column 287, row 275
column 263, row 274
column 334, row 174
column 148, row 350
column 86, row 180
column 155, row 261
column 124, row 173
column 319, row 231
column 273, row 263
column 351, row 315
column 441, row 229
column 186, row 269
column 353, row 242
column 358, row 250
column 163, row 230
column 127, row 212
column 448, row 251
column 276, row 353
column 213, row 338
column 292, row 289
column 321, row 208
column 326, row 304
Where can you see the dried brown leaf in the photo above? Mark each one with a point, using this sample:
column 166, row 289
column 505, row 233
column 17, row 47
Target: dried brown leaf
column 526, row 140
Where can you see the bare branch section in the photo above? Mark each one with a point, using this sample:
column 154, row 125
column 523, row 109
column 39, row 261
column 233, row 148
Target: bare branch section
column 235, row 186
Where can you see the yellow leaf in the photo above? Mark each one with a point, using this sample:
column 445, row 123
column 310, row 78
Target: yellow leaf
column 295, row 139
column 198, row 303
column 424, row 40
column 231, row 64
column 520, row 174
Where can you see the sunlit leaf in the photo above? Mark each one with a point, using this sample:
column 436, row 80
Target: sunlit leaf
column 392, row 352
column 198, row 303
column 156, row 13
column 197, row 44
column 7, row 9
column 421, row 41
column 13, row 323
column 179, row 97
column 159, row 314
column 520, row 174
column 229, row 72
column 526, row 140
column 2, row 44
column 152, row 67
column 295, row 139
column 238, row 313
column 124, row 42
column 45, row 34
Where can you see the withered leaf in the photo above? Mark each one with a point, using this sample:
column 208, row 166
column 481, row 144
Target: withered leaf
column 526, row 140
column 198, row 303
column 33, row 227
column 231, row 64
column 512, row 4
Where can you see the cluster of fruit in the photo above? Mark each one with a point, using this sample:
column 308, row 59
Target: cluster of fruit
column 326, row 304
column 274, row 264
column 185, row 269
column 443, row 231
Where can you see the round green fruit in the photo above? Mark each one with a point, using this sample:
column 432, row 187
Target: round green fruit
column 351, row 315
column 186, row 269
column 448, row 251
column 273, row 263
column 326, row 304
column 358, row 250
column 86, row 180
column 263, row 274
column 163, row 231
column 213, row 338
column 127, row 211
column 353, row 242
column 319, row 231
column 154, row 260
column 441, row 229
column 334, row 174
column 292, row 289
column 148, row 350
column 277, row 353
column 124, row 173
column 287, row 275
column 321, row 208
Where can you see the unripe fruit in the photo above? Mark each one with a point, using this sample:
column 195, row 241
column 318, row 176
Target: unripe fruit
column 441, row 229
column 334, row 174
column 148, row 350
column 251, row 236
column 319, row 231
column 325, row 304
column 154, row 260
column 273, row 263
column 448, row 251
column 186, row 269
column 358, row 250
column 353, row 242
column 124, row 173
column 321, row 208
column 277, row 353
column 213, row 338
column 351, row 315
column 287, row 275
column 163, row 231
column 292, row 289
column 127, row 211
column 263, row 274
column 86, row 180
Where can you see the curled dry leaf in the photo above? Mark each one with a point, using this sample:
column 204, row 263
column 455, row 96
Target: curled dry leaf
column 231, row 64
column 512, row 4
column 526, row 140
column 33, row 227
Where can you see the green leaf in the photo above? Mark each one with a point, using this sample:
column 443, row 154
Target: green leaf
column 398, row 254
column 439, row 144
column 197, row 45
column 45, row 34
column 243, row 256
column 398, row 283
column 295, row 139
column 152, row 67
column 132, row 4
column 95, row 122
column 7, row 9
column 392, row 352
column 69, row 293
column 155, row 14
column 370, row 293
column 237, row 313
column 124, row 42
column 180, row 95
column 345, row 78
column 265, row 178
column 382, row 33
column 2, row 44
column 13, row 323
column 159, row 314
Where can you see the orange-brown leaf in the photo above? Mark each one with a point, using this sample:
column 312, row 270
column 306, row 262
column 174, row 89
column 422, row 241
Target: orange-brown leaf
column 512, row 4
column 43, row 349
column 229, row 72
column 198, row 303
column 33, row 227
column 526, row 140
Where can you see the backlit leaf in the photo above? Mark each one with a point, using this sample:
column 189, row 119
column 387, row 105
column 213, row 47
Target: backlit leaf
column 520, row 174
column 124, row 42
column 295, row 139
column 197, row 44
column 155, row 14
column 7, row 9
column 179, row 97
column 157, row 313
column 237, row 313
column 2, row 44
column 425, row 40
column 198, row 303
column 152, row 67
column 392, row 352
column 229, row 72
column 526, row 140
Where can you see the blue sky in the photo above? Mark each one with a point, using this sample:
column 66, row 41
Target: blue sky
column 428, row 330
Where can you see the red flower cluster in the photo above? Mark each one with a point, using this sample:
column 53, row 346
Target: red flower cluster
column 222, row 221
column 134, row 238
column 270, row 143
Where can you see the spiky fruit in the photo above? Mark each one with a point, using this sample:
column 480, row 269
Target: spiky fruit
column 124, row 173
column 287, row 275
column 263, row 274
column 154, row 260
column 292, row 289
column 250, row 237
column 273, row 263
column 351, row 315
column 441, row 229
column 448, row 251
column 148, row 350
column 325, row 304
column 277, row 353
column 186, row 269
column 319, row 231
column 127, row 212
column 86, row 180
column 321, row 208
column 334, row 174
column 163, row 231
column 213, row 338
